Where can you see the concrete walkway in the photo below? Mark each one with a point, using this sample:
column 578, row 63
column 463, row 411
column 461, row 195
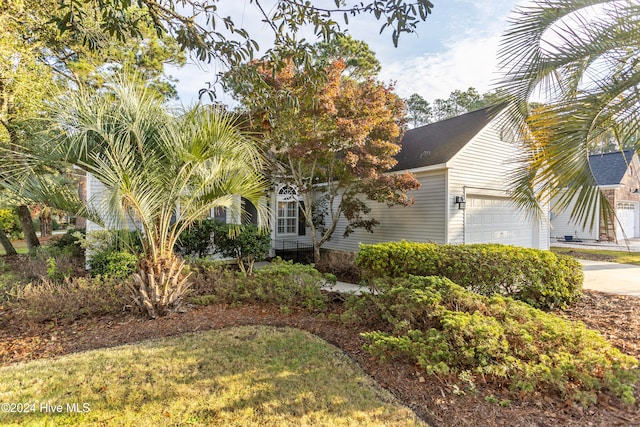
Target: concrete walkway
column 623, row 279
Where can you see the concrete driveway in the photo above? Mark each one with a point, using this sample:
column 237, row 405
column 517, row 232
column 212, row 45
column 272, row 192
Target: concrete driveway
column 623, row 279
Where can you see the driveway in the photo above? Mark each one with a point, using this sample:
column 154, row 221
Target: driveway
column 612, row 277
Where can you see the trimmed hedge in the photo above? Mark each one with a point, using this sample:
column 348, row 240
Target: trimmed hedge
column 540, row 278
column 447, row 330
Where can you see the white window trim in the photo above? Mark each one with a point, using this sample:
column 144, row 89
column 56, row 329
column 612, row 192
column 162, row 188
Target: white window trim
column 289, row 195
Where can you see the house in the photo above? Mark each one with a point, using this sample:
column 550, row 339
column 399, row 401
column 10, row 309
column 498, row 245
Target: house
column 616, row 174
column 464, row 166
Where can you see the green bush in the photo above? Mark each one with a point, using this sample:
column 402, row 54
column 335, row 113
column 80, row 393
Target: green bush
column 283, row 283
column 540, row 278
column 197, row 239
column 10, row 223
column 448, row 330
column 70, row 242
column 247, row 244
column 113, row 264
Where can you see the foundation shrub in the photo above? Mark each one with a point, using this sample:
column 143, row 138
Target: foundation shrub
column 116, row 264
column 540, row 278
column 448, row 330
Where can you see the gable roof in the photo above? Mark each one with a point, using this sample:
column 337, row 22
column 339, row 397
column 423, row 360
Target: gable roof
column 437, row 143
column 609, row 168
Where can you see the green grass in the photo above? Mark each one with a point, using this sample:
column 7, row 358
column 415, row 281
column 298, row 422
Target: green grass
column 235, row 377
column 622, row 257
column 20, row 247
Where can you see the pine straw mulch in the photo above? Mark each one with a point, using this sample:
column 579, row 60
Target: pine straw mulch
column 617, row 317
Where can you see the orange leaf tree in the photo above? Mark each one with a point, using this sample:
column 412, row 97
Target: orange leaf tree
column 332, row 137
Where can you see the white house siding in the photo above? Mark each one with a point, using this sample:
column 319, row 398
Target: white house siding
column 481, row 172
column 562, row 224
column 424, row 221
column 96, row 192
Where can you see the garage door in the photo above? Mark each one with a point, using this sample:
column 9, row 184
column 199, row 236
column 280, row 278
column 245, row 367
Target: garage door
column 626, row 212
column 496, row 220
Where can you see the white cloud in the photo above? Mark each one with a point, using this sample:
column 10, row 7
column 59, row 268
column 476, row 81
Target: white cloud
column 470, row 62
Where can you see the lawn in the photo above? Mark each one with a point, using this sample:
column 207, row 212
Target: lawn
column 234, row 377
column 623, row 257
column 19, row 245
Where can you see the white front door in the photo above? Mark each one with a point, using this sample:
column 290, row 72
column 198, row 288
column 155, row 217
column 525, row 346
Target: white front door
column 496, row 220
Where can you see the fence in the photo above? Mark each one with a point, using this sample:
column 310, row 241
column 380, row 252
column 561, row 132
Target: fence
column 295, row 250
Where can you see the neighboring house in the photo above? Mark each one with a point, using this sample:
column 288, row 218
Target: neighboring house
column 616, row 174
column 464, row 165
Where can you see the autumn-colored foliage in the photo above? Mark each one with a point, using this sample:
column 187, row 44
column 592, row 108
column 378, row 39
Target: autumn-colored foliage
column 331, row 136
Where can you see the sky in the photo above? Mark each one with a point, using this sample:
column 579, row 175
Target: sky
column 455, row 48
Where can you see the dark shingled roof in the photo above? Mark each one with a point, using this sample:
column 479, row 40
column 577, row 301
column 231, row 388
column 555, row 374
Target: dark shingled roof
column 609, row 168
column 437, row 143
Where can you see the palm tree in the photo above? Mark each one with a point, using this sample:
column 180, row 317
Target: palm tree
column 154, row 166
column 582, row 59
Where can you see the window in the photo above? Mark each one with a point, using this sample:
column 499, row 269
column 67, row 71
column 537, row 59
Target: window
column 287, row 211
column 287, row 217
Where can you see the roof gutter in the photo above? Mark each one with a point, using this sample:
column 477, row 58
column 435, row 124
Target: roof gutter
column 431, row 168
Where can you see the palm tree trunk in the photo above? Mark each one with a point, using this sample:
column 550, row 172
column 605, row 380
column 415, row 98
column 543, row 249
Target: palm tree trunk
column 157, row 287
column 46, row 222
column 6, row 243
column 27, row 227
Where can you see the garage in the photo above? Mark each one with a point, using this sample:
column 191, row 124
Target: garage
column 496, row 220
column 626, row 214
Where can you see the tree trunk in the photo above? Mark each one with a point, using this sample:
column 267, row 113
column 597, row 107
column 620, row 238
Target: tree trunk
column 6, row 243
column 46, row 222
column 157, row 286
column 27, row 227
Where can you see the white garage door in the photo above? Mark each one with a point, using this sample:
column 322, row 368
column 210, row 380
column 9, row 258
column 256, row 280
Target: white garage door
column 496, row 220
column 626, row 212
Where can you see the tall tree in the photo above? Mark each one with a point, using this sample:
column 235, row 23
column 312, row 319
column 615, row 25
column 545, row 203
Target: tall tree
column 333, row 138
column 359, row 60
column 582, row 57
column 150, row 162
column 419, row 110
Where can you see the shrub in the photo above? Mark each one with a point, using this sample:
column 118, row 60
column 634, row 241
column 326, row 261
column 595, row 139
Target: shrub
column 540, row 278
column 71, row 242
column 114, row 264
column 10, row 223
column 247, row 244
column 283, row 283
column 448, row 330
column 197, row 240
column 69, row 300
column 206, row 275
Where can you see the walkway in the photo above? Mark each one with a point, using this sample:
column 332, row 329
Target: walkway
column 623, row 279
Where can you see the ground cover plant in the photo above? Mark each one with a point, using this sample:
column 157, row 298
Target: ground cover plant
column 540, row 278
column 447, row 330
column 237, row 376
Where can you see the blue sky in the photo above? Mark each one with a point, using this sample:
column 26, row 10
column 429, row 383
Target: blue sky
column 455, row 48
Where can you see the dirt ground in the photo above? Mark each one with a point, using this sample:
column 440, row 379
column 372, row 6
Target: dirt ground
column 616, row 317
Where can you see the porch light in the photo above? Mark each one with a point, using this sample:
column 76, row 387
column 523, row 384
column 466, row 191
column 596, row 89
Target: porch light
column 462, row 202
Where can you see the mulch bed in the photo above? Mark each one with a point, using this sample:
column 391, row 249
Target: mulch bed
column 617, row 317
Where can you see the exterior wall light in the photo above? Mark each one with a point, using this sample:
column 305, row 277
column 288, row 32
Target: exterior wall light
column 461, row 201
